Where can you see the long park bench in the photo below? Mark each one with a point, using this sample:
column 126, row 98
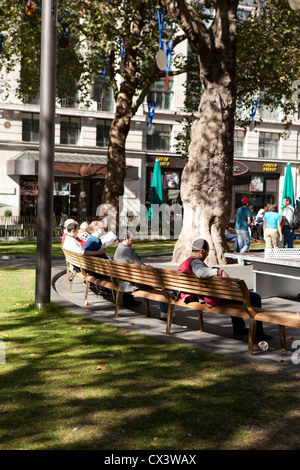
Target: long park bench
column 161, row 285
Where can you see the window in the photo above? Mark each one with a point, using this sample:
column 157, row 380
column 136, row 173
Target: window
column 69, row 130
column 239, row 139
column 268, row 145
column 30, row 127
column 161, row 139
column 104, row 98
column 268, row 113
column 102, row 135
column 164, row 99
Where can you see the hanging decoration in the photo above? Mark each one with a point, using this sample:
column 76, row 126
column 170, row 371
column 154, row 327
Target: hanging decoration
column 64, row 40
column 103, row 84
column 1, row 41
column 30, row 7
column 253, row 112
column 168, row 52
column 161, row 57
column 151, row 127
column 122, row 48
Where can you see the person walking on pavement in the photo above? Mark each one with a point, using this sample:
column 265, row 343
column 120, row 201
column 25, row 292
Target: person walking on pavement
column 272, row 227
column 259, row 221
column 242, row 223
column 286, row 217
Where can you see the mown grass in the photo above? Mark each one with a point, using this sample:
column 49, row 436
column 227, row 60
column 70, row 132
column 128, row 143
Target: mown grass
column 72, row 383
column 28, row 247
column 142, row 247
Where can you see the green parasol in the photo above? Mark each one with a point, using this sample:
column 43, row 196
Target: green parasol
column 288, row 188
column 157, row 194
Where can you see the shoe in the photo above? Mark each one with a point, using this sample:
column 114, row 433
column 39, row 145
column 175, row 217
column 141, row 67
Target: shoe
column 242, row 331
column 101, row 292
column 72, row 275
column 131, row 303
column 262, row 337
column 164, row 315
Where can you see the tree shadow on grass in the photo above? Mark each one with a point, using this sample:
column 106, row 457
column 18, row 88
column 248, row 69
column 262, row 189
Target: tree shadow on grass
column 73, row 383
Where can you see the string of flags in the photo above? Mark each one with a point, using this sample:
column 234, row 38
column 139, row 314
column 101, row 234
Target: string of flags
column 103, row 84
column 163, row 62
column 163, row 55
column 64, row 40
column 151, row 127
column 253, row 112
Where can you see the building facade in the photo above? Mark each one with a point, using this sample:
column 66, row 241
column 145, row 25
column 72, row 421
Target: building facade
column 81, row 139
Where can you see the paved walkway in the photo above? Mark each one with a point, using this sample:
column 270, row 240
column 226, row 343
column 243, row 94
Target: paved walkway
column 217, row 337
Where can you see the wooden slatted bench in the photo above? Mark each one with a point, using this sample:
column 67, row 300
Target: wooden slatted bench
column 159, row 284
column 87, row 264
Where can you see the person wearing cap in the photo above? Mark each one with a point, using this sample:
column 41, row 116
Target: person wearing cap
column 242, row 223
column 195, row 264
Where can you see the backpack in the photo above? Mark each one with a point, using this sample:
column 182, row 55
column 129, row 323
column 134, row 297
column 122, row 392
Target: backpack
column 295, row 221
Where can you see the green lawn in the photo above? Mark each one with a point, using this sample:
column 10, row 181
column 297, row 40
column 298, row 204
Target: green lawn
column 28, row 248
column 72, row 383
column 142, row 247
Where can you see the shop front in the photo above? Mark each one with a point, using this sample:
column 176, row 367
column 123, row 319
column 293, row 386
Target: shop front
column 77, row 189
column 171, row 170
column 259, row 181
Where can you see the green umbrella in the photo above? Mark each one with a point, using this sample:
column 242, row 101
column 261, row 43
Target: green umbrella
column 157, row 194
column 288, row 188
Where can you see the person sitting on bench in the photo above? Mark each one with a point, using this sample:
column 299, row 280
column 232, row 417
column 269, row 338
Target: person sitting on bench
column 195, row 264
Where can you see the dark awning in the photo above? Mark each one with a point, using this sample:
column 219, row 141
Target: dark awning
column 26, row 164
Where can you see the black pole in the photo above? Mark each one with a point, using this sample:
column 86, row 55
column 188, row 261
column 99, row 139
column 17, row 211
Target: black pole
column 46, row 153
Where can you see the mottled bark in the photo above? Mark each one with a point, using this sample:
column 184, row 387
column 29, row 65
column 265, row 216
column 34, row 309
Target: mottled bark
column 206, row 186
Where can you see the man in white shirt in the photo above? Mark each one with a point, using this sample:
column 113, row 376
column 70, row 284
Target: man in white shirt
column 286, row 217
column 70, row 243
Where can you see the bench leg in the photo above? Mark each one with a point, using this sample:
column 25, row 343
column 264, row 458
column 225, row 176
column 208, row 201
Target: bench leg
column 71, row 284
column 170, row 318
column 147, row 305
column 282, row 336
column 251, row 337
column 200, row 318
column 118, row 301
column 87, row 286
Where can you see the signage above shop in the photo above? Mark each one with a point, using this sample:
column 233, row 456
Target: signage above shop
column 166, row 161
column 270, row 167
column 239, row 168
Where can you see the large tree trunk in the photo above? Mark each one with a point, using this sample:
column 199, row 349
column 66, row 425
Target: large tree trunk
column 116, row 164
column 206, row 185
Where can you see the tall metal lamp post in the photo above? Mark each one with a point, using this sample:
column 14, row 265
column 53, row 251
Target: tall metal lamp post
column 46, row 153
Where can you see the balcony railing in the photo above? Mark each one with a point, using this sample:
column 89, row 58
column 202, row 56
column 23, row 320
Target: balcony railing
column 27, row 99
column 105, row 105
column 69, row 102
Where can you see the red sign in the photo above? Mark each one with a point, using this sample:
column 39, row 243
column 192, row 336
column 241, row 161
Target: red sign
column 239, row 168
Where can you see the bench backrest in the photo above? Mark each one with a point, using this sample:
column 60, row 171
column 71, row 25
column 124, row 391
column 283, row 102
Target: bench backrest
column 166, row 279
column 72, row 258
column 94, row 264
column 144, row 275
column 215, row 286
